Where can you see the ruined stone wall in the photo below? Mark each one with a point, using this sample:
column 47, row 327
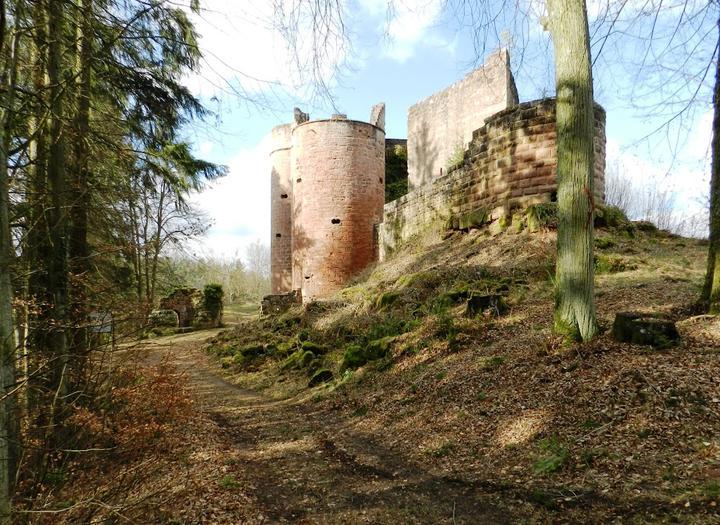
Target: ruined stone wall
column 338, row 187
column 443, row 123
column 280, row 211
column 510, row 163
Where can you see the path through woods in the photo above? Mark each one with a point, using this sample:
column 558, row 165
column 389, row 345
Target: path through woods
column 292, row 462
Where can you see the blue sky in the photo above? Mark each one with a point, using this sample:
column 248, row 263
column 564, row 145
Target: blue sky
column 252, row 83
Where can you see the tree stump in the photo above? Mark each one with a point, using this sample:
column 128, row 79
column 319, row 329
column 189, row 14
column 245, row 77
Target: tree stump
column 645, row 329
column 478, row 304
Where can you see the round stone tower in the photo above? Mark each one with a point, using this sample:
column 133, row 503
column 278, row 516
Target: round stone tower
column 281, row 211
column 338, row 187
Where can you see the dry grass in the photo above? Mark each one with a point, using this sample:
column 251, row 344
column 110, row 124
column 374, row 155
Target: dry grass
column 626, row 431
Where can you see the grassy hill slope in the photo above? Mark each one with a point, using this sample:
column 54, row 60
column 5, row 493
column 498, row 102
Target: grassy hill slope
column 568, row 432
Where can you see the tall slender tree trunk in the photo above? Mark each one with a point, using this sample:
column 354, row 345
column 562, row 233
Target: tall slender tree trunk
column 79, row 249
column 37, row 241
column 157, row 245
column 574, row 296
column 58, row 262
column 7, row 342
column 711, row 290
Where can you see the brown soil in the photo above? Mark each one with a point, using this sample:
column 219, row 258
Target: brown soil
column 299, row 462
column 442, row 433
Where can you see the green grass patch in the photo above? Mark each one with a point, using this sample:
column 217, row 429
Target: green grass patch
column 229, row 482
column 553, row 457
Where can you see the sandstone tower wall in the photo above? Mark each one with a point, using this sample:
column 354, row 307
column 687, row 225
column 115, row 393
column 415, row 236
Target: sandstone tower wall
column 280, row 211
column 442, row 125
column 338, row 188
column 510, row 163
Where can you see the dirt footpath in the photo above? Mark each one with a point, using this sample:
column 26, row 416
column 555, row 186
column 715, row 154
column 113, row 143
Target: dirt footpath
column 294, row 462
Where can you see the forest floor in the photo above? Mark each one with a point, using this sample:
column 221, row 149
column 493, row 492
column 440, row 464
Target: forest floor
column 259, row 460
column 486, row 419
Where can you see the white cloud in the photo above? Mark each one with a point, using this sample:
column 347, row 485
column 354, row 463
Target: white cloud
column 407, row 25
column 699, row 141
column 238, row 204
column 245, row 53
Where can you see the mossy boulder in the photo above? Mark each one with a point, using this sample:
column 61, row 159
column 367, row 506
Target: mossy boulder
column 306, row 357
column 518, row 222
column 645, row 329
column 286, row 347
column 298, row 359
column 320, row 376
column 386, row 299
column 250, row 351
column 613, row 264
column 358, row 355
column 309, row 346
column 473, row 219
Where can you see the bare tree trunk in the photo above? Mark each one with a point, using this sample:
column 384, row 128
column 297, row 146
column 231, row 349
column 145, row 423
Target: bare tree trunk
column 7, row 346
column 574, row 296
column 159, row 224
column 37, row 243
column 711, row 290
column 79, row 249
column 57, row 264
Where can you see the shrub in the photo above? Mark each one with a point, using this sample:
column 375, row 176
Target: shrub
column 554, row 457
column 603, row 243
column 457, row 158
column 610, row 217
column 446, row 328
column 541, row 216
column 392, row 326
column 396, row 173
column 213, row 301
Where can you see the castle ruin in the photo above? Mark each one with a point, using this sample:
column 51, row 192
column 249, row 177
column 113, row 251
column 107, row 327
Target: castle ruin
column 472, row 149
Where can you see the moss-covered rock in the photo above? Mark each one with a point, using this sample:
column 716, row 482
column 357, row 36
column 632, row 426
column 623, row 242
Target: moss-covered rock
column 306, row 357
column 252, row 350
column 613, row 264
column 298, row 359
column 309, row 346
column 386, row 299
column 358, row 355
column 473, row 219
column 518, row 222
column 286, row 347
column 320, row 376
